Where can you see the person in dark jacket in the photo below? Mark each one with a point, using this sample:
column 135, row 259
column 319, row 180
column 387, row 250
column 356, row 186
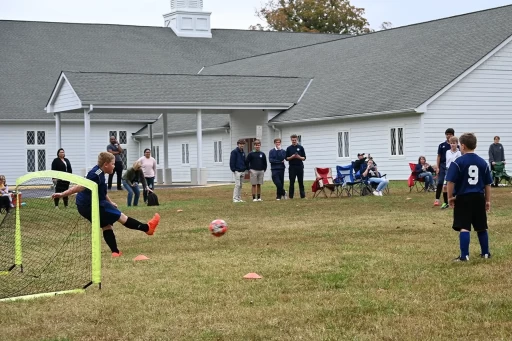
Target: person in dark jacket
column 131, row 180
column 295, row 155
column 257, row 165
column 424, row 170
column 276, row 157
column 61, row 164
column 237, row 166
column 496, row 154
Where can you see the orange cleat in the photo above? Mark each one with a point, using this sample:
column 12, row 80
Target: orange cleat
column 153, row 223
column 437, row 203
column 116, row 254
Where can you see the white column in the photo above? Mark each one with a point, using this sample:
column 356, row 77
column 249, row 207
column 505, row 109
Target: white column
column 199, row 145
column 150, row 129
column 58, row 134
column 166, row 146
column 87, row 145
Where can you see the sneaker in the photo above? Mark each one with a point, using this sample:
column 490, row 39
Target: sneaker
column 259, row 199
column 278, row 199
column 236, row 200
column 445, row 206
column 461, row 259
column 116, row 254
column 437, row 203
column 56, row 207
column 485, row 256
column 240, row 200
column 380, row 193
column 376, row 193
column 153, row 223
column 285, row 196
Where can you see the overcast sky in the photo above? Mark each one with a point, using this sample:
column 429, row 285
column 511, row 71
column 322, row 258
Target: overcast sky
column 237, row 14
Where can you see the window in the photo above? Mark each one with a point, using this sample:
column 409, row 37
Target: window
column 36, row 151
column 124, row 158
column 397, row 141
column 299, row 139
column 184, row 153
column 217, row 151
column 156, row 154
column 343, row 144
column 120, row 135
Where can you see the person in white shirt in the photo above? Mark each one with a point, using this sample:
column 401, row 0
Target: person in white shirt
column 149, row 170
column 451, row 155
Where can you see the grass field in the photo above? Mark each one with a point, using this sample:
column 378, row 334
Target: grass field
column 360, row 268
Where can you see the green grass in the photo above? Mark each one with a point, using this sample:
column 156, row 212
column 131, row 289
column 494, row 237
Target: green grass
column 360, row 268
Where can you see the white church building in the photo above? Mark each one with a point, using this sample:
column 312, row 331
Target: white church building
column 190, row 92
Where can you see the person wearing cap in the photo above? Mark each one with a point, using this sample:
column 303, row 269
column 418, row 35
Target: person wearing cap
column 361, row 160
column 238, row 167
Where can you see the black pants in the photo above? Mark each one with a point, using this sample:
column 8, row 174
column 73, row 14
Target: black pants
column 151, row 184
column 118, row 170
column 60, row 187
column 296, row 172
column 278, row 179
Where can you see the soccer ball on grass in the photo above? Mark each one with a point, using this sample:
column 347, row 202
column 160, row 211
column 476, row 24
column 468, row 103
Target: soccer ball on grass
column 218, row 227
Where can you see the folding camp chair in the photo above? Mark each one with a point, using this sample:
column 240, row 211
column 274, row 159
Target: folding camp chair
column 345, row 180
column 418, row 183
column 323, row 182
column 499, row 174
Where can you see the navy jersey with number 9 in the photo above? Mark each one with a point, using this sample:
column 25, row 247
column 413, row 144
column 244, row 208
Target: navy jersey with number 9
column 470, row 174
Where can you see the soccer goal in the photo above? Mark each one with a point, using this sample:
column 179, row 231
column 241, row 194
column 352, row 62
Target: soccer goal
column 45, row 250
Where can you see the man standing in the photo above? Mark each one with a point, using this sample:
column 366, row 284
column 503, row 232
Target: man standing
column 115, row 148
column 295, row 155
column 441, row 165
column 496, row 154
column 237, row 165
column 257, row 165
column 276, row 157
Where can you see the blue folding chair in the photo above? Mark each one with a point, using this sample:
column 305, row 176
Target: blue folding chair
column 346, row 181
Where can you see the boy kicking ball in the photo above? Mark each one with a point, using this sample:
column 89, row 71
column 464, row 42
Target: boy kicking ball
column 469, row 178
column 109, row 213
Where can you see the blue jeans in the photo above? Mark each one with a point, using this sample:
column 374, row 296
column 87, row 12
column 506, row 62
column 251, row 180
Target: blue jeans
column 429, row 179
column 133, row 191
column 151, row 184
column 381, row 181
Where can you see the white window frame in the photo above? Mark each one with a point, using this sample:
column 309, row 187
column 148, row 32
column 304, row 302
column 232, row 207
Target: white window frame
column 397, row 142
column 36, row 147
column 345, row 151
column 217, row 156
column 155, row 153
column 123, row 145
column 185, row 158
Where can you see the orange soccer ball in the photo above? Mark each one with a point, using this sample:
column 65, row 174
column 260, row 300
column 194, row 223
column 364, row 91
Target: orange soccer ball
column 218, row 227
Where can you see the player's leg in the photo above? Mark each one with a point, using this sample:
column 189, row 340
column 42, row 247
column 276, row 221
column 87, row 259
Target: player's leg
column 300, row 180
column 445, row 195
column 440, row 181
column 110, row 239
column 134, row 224
column 480, row 224
column 462, row 223
column 292, row 174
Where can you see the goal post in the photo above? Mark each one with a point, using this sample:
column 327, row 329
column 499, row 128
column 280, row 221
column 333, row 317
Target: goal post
column 48, row 246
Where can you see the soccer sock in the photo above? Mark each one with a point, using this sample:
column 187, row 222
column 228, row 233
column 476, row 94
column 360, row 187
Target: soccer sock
column 464, row 238
column 254, row 196
column 483, row 238
column 259, row 195
column 110, row 239
column 136, row 225
column 438, row 191
column 445, row 197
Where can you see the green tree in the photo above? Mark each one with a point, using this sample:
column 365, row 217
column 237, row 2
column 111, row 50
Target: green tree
column 323, row 16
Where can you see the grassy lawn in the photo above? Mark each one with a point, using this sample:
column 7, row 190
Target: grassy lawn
column 360, row 268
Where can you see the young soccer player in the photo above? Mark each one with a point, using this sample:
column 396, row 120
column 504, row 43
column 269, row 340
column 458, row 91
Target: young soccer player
column 451, row 155
column 257, row 166
column 109, row 213
column 469, row 178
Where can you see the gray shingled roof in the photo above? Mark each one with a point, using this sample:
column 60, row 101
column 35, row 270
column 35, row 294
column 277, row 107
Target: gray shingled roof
column 32, row 55
column 187, row 123
column 388, row 70
column 94, row 87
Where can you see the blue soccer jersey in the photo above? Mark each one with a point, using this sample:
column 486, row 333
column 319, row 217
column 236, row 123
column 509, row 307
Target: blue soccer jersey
column 470, row 174
column 98, row 176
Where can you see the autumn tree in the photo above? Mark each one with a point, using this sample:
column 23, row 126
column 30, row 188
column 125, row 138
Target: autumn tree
column 323, row 16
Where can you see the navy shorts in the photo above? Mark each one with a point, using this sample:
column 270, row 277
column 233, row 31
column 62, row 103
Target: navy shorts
column 108, row 214
column 470, row 211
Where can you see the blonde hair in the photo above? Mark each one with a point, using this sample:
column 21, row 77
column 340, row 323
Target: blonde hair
column 2, row 178
column 105, row 157
column 137, row 165
column 454, row 139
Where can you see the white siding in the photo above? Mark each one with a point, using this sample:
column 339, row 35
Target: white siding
column 66, row 99
column 480, row 103
column 320, row 141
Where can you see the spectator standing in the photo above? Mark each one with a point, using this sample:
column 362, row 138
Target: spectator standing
column 296, row 155
column 61, row 164
column 115, row 148
column 496, row 154
column 276, row 157
column 257, row 165
column 237, row 166
column 149, row 169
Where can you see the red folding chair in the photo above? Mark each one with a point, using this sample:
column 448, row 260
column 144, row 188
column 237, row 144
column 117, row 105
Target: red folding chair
column 324, row 181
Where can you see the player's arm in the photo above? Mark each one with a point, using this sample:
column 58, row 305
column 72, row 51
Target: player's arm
column 68, row 192
column 487, row 198
column 450, row 186
column 303, row 158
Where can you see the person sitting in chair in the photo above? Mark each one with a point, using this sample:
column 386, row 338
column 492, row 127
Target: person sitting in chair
column 372, row 175
column 4, row 192
column 424, row 170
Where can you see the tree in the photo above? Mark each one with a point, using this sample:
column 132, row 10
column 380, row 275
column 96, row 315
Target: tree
column 323, row 16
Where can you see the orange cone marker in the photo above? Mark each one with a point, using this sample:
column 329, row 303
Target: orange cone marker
column 252, row 275
column 140, row 257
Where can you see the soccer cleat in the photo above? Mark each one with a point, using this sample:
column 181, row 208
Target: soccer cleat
column 461, row 259
column 436, row 203
column 444, row 206
column 153, row 223
column 485, row 256
column 116, row 254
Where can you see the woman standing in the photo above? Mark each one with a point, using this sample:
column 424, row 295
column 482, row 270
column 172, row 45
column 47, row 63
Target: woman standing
column 149, row 170
column 131, row 183
column 60, row 163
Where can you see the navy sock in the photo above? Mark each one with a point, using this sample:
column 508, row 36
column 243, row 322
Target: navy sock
column 483, row 238
column 445, row 197
column 136, row 225
column 110, row 239
column 464, row 238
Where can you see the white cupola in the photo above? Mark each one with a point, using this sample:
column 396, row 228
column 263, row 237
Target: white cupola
column 187, row 19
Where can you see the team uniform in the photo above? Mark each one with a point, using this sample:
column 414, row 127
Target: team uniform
column 109, row 214
column 296, row 170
